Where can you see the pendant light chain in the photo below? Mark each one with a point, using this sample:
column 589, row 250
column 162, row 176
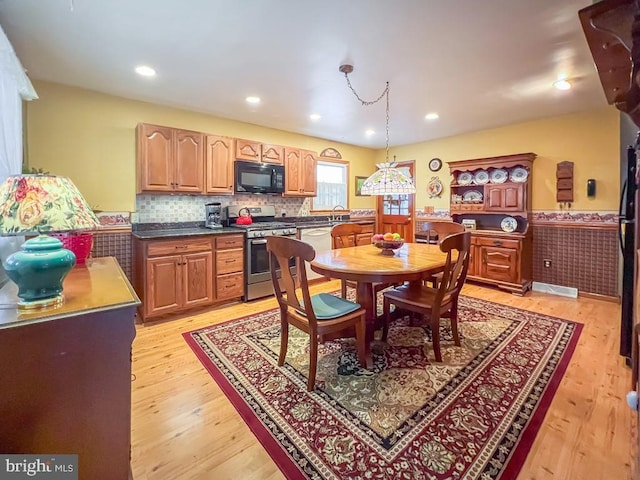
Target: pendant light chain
column 385, row 93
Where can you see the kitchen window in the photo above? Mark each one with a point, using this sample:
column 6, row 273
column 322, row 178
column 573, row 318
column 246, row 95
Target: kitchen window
column 332, row 185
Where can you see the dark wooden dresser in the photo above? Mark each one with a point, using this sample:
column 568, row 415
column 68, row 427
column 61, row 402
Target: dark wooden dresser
column 65, row 373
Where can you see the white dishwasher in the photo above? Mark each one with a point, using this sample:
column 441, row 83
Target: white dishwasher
column 320, row 239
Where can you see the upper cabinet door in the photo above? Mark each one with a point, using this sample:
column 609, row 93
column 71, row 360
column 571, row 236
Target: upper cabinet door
column 155, row 158
column 219, row 165
column 292, row 171
column 189, row 161
column 505, row 197
column 309, row 163
column 248, row 150
column 273, row 154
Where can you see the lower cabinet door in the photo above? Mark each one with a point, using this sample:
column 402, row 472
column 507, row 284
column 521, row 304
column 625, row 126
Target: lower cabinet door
column 197, row 278
column 499, row 263
column 164, row 278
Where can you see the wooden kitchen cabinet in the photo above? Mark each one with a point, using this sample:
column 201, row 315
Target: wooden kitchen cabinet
column 488, row 190
column 248, row 150
column 300, row 172
column 173, row 275
column 253, row 151
column 219, row 160
column 229, row 251
column 273, row 154
column 169, row 160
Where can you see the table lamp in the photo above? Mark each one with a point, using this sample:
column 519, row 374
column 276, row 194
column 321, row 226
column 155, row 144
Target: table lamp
column 36, row 205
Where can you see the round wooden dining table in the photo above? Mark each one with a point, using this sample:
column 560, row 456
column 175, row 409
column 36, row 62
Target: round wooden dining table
column 365, row 265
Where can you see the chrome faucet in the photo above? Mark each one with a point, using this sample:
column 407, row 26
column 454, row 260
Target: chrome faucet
column 333, row 213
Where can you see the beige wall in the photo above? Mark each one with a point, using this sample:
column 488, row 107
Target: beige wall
column 589, row 139
column 90, row 137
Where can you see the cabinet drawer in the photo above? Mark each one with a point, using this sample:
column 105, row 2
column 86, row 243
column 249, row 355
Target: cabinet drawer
column 497, row 242
column 171, row 247
column 229, row 261
column 228, row 286
column 229, row 241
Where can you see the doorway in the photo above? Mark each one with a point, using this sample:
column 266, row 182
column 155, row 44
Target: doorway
column 396, row 212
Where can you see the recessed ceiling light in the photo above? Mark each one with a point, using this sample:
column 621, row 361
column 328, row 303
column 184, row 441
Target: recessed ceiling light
column 369, row 132
column 253, row 100
column 562, row 84
column 145, row 71
column 432, row 116
column 315, row 116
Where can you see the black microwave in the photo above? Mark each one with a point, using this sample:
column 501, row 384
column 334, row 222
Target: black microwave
column 253, row 177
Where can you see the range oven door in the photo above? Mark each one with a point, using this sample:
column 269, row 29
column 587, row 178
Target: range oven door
column 258, row 261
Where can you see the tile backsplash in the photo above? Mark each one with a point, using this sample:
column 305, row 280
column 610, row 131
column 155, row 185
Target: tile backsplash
column 190, row 208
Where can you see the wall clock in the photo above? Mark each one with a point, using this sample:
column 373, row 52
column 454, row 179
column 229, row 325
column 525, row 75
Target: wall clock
column 435, row 164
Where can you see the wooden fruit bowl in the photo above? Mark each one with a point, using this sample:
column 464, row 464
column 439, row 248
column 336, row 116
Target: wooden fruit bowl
column 387, row 247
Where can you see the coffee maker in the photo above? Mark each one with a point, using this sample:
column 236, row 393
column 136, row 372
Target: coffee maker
column 212, row 215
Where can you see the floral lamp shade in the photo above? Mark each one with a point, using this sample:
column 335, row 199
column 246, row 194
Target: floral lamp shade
column 43, row 203
column 388, row 180
column 40, row 204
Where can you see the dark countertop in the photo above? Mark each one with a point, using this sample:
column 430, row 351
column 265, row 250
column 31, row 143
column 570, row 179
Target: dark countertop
column 327, row 223
column 184, row 232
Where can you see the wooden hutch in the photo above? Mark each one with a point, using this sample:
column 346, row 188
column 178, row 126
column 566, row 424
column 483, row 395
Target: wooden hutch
column 493, row 197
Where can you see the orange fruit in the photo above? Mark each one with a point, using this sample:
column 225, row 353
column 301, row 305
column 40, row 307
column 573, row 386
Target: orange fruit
column 388, row 237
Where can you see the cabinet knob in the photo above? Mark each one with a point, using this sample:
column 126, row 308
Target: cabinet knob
column 497, row 243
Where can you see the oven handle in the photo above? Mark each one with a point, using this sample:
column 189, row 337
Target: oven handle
column 258, row 242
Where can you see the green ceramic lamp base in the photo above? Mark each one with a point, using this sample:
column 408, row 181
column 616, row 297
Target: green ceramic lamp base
column 38, row 304
column 39, row 270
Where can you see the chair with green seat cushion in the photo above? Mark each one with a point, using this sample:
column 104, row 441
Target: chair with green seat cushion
column 327, row 306
column 328, row 315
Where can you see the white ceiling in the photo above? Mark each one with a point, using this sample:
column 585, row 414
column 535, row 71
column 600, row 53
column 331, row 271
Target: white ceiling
column 479, row 64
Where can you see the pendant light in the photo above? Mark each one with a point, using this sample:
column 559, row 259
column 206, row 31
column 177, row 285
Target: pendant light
column 388, row 180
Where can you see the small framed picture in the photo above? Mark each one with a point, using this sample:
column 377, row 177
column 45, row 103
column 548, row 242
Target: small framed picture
column 359, row 182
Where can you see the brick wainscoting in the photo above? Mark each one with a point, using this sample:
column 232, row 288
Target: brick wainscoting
column 114, row 243
column 584, row 257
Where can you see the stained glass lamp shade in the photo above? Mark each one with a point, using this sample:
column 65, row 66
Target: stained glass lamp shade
column 388, row 180
column 36, row 205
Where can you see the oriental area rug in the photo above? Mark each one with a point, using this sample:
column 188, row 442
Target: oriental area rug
column 473, row 416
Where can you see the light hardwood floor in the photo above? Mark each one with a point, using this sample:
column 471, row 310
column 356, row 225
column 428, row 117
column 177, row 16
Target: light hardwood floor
column 183, row 426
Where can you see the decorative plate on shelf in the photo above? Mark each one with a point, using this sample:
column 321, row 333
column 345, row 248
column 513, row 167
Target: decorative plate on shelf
column 465, row 178
column 509, row 224
column 519, row 175
column 472, row 196
column 498, row 176
column 481, row 177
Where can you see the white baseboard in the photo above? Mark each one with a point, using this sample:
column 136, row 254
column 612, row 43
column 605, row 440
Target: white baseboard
column 555, row 289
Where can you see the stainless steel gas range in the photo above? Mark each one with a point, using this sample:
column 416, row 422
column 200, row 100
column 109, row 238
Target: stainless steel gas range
column 257, row 274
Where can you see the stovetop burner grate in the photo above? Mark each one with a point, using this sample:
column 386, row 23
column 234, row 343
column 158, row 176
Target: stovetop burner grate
column 266, row 225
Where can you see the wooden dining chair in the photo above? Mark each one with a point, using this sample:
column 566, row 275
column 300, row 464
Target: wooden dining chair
column 435, row 302
column 345, row 235
column 317, row 315
column 435, row 232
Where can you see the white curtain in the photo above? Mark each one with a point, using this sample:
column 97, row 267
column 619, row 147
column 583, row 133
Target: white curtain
column 14, row 87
